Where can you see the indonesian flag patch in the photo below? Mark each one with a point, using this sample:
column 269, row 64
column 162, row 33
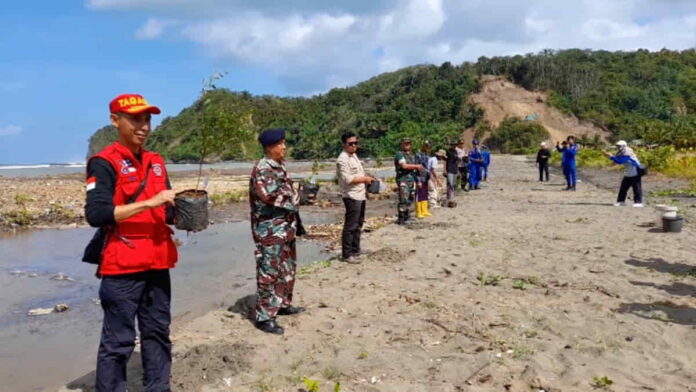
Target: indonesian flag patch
column 91, row 183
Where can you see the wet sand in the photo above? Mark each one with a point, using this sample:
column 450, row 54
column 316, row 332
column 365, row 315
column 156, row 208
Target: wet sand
column 520, row 287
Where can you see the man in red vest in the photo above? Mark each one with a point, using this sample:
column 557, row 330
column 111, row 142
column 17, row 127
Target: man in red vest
column 128, row 192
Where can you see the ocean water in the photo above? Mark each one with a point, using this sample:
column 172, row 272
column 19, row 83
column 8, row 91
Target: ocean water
column 52, row 169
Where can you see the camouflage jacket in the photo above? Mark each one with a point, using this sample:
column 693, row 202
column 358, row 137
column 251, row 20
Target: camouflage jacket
column 402, row 174
column 274, row 203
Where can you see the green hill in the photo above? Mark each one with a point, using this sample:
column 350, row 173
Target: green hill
column 632, row 94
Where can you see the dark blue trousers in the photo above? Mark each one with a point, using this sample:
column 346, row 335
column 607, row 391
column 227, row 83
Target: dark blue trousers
column 570, row 174
column 145, row 296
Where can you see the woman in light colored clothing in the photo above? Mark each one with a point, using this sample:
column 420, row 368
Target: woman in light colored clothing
column 632, row 175
column 434, row 182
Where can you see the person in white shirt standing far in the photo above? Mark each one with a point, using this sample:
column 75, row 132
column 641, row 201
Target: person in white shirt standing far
column 352, row 181
column 434, row 182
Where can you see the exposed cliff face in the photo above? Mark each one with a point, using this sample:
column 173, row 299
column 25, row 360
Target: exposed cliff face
column 500, row 98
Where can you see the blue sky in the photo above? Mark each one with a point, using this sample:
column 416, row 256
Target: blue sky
column 64, row 60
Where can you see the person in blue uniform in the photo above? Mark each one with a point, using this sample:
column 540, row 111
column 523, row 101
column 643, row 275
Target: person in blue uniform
column 475, row 164
column 486, row 162
column 569, row 150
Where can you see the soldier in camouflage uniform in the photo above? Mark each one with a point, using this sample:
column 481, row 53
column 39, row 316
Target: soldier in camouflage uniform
column 274, row 219
column 406, row 176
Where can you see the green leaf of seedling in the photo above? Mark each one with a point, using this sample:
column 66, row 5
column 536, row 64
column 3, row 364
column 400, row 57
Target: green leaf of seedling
column 312, row 385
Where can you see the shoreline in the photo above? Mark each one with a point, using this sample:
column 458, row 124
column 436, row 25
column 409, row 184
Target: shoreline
column 28, row 203
column 475, row 298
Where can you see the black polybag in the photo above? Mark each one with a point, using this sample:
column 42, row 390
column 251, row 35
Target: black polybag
column 191, row 213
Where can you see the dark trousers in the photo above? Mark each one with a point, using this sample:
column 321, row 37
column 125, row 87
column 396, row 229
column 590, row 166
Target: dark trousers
column 543, row 170
column 352, row 226
column 464, row 176
column 631, row 182
column 570, row 174
column 145, row 296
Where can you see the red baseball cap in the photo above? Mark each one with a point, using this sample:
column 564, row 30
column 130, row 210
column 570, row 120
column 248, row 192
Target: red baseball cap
column 131, row 104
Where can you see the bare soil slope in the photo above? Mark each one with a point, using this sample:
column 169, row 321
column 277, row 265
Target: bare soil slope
column 501, row 98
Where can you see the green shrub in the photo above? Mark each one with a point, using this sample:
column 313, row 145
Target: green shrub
column 657, row 158
column 515, row 136
column 590, row 157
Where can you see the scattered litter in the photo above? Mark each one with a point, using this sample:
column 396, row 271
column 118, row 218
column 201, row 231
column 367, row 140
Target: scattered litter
column 374, row 380
column 62, row 276
column 499, row 355
column 227, row 381
column 509, row 351
column 59, row 308
column 39, row 311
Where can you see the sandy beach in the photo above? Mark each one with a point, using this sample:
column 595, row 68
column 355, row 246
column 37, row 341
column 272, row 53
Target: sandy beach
column 521, row 287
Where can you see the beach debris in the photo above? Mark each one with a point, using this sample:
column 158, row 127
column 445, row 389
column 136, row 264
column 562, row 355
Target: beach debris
column 227, row 381
column 374, row 380
column 39, row 311
column 59, row 308
column 62, row 276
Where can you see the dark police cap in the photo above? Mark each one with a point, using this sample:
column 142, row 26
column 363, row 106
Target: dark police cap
column 270, row 137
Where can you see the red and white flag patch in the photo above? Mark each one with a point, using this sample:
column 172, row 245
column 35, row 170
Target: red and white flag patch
column 91, row 183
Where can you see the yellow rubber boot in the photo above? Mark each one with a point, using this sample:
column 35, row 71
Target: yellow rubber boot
column 424, row 209
column 419, row 209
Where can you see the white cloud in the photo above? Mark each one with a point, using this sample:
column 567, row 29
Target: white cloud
column 10, row 130
column 313, row 45
column 604, row 29
column 152, row 29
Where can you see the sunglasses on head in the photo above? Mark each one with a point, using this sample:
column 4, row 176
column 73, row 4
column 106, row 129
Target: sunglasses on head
column 352, row 143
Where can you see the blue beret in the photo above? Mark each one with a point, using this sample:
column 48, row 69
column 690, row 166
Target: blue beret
column 271, row 136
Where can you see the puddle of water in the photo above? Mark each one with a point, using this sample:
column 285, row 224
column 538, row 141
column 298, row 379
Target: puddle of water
column 216, row 268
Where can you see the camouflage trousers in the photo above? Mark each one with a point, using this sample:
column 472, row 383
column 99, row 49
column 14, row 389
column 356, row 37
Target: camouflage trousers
column 407, row 195
column 275, row 278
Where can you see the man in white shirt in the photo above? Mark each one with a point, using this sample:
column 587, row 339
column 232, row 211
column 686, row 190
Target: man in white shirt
column 352, row 181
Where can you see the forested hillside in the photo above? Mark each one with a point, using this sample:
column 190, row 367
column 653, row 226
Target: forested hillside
column 635, row 95
column 630, row 94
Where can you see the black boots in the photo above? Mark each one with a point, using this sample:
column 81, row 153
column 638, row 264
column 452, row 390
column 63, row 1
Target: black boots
column 403, row 218
column 269, row 326
column 290, row 310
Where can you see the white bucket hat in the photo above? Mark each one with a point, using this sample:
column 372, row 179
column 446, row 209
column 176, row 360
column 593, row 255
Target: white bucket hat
column 621, row 143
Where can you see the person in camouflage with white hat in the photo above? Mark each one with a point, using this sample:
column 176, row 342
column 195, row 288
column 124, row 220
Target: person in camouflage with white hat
column 274, row 224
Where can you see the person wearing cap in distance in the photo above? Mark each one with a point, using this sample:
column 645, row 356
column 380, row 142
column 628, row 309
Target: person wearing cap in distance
column 463, row 164
column 475, row 163
column 352, row 181
column 542, row 161
column 128, row 192
column 452, row 162
column 406, row 172
column 274, row 206
column 632, row 177
column 569, row 150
